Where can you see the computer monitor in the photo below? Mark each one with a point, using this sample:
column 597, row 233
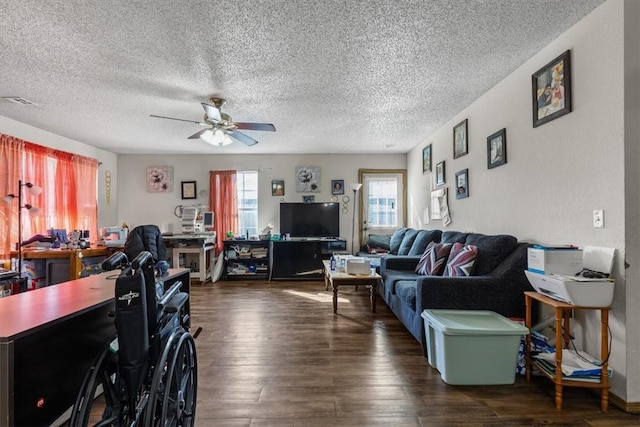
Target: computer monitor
column 207, row 221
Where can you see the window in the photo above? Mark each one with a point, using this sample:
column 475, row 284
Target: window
column 247, row 185
column 382, row 203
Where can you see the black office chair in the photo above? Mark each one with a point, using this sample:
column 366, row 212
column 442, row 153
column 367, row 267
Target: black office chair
column 145, row 238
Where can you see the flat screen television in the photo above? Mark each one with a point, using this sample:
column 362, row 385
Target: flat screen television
column 310, row 219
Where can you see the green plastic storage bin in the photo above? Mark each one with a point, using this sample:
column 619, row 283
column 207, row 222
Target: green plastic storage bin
column 472, row 347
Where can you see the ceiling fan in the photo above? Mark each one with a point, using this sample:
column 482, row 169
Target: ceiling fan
column 219, row 126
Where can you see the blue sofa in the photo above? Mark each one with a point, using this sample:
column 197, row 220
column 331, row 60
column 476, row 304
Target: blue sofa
column 497, row 282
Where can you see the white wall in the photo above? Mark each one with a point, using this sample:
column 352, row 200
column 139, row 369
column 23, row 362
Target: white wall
column 556, row 174
column 632, row 191
column 106, row 211
column 137, row 207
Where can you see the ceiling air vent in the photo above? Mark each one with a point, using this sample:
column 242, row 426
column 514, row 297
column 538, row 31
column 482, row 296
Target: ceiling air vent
column 18, row 100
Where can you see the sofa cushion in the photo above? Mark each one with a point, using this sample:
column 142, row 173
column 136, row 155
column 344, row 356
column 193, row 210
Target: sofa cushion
column 434, row 259
column 422, row 240
column 461, row 260
column 453, row 237
column 492, row 250
column 406, row 292
column 407, row 241
column 396, row 240
column 378, row 243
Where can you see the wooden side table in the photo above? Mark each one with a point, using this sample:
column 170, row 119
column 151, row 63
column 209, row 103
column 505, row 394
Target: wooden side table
column 562, row 313
column 338, row 278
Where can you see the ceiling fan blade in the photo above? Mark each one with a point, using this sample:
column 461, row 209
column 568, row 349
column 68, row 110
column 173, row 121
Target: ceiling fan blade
column 181, row 120
column 255, row 126
column 198, row 134
column 211, row 112
column 245, row 139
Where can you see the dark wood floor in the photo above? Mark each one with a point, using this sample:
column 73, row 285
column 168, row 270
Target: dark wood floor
column 274, row 354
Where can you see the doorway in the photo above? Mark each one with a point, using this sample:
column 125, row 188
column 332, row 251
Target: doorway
column 383, row 201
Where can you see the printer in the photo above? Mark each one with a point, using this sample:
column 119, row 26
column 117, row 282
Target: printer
column 591, row 286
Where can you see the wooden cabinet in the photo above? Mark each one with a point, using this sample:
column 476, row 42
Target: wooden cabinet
column 246, row 259
column 563, row 330
column 61, row 265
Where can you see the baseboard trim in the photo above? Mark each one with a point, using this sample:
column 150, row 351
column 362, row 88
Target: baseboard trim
column 631, row 407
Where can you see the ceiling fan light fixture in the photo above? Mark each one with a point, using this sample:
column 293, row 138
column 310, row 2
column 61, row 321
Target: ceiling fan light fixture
column 216, row 137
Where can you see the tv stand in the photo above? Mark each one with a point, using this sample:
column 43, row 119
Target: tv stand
column 300, row 258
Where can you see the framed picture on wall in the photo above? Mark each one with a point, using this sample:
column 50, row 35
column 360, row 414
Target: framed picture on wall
column 337, row 186
column 462, row 184
column 440, row 174
column 307, row 179
column 497, row 149
column 159, row 179
column 188, row 190
column 426, row 159
column 460, row 139
column 551, row 90
column 277, row 187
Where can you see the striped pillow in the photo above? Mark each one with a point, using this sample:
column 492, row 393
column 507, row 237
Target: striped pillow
column 461, row 260
column 434, row 259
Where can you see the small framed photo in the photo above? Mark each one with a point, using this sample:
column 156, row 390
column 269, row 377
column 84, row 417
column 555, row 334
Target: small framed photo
column 497, row 149
column 426, row 159
column 277, row 187
column 460, row 139
column 462, row 184
column 551, row 90
column 337, row 186
column 440, row 174
column 188, row 190
column 308, row 199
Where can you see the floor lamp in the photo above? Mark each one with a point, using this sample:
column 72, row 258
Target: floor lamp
column 355, row 187
column 34, row 190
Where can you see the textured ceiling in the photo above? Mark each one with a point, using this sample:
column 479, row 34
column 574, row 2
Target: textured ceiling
column 333, row 76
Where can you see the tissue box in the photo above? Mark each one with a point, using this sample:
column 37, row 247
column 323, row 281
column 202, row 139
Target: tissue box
column 357, row 265
column 554, row 261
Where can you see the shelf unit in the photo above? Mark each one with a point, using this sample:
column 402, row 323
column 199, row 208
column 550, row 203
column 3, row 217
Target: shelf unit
column 246, row 259
column 562, row 317
column 192, row 251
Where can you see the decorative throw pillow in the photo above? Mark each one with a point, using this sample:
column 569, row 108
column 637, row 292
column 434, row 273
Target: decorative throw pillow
column 434, row 259
column 461, row 260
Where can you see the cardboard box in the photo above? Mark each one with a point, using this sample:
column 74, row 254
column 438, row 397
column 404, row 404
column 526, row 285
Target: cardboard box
column 554, row 261
column 472, row 347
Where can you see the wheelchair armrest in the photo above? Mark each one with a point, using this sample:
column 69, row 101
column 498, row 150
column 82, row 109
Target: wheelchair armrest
column 177, row 302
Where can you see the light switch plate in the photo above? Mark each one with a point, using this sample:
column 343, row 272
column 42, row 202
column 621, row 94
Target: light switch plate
column 598, row 218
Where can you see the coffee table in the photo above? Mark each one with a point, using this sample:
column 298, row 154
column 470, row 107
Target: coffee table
column 338, row 278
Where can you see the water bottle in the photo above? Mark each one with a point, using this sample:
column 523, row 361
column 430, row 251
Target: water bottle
column 332, row 263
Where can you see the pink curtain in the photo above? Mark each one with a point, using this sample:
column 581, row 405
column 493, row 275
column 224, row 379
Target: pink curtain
column 69, row 201
column 86, row 177
column 223, row 202
column 10, row 150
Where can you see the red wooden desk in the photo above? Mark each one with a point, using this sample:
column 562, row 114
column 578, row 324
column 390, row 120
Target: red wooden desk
column 48, row 338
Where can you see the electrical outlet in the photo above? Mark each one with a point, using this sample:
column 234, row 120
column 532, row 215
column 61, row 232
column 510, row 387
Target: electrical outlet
column 598, row 218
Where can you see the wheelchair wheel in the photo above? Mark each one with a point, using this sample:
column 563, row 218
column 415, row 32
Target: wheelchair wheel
column 172, row 398
column 102, row 372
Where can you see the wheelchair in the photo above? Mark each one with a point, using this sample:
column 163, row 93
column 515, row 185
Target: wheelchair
column 148, row 373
